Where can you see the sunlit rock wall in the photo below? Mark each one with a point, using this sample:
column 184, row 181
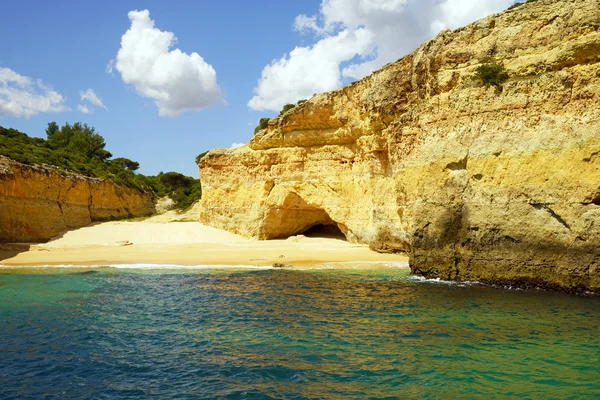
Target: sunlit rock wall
column 475, row 183
column 38, row 202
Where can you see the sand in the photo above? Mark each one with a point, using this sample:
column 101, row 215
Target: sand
column 159, row 241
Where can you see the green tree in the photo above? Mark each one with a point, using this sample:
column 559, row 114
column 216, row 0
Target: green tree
column 77, row 139
column 174, row 180
column 126, row 163
column 88, row 142
column 51, row 129
column 59, row 138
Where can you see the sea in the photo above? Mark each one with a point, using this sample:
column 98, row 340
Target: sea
column 363, row 332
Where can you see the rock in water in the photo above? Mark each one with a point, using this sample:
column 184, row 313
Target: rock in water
column 280, row 265
column 476, row 183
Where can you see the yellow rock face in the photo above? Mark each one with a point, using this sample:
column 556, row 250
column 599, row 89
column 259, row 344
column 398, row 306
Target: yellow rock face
column 37, row 203
column 475, row 183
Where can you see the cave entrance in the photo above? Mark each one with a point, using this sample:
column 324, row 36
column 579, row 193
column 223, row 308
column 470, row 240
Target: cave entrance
column 294, row 216
column 329, row 231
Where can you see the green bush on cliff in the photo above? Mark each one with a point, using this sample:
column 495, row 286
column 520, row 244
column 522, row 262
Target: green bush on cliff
column 287, row 108
column 262, row 124
column 491, row 74
column 518, row 4
column 200, row 156
column 79, row 148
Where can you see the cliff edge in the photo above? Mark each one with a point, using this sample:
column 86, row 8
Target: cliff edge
column 39, row 202
column 475, row 183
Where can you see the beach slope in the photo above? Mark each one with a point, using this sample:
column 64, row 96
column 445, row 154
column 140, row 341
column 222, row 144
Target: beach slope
column 155, row 241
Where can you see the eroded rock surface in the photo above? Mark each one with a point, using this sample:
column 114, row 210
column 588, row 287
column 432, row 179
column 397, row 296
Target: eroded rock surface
column 475, row 183
column 38, row 202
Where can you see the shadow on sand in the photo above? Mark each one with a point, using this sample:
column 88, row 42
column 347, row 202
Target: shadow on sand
column 10, row 250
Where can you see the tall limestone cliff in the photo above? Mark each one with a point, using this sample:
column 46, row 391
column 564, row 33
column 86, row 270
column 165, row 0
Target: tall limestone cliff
column 39, row 202
column 474, row 183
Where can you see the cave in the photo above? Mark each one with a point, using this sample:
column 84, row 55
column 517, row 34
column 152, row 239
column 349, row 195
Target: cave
column 294, row 216
column 329, row 231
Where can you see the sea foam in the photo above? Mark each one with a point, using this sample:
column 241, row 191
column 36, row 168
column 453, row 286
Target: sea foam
column 138, row 266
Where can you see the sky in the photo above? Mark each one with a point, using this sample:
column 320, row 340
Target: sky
column 166, row 81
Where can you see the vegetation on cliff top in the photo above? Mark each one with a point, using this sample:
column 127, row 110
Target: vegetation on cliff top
column 518, row 4
column 264, row 122
column 79, row 148
column 286, row 108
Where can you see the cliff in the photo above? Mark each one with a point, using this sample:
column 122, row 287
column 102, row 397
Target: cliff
column 474, row 183
column 39, row 202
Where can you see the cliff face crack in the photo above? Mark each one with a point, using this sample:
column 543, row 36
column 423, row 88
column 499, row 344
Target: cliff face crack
column 269, row 186
column 420, row 232
column 553, row 214
column 592, row 157
column 593, row 199
column 550, row 21
column 90, row 201
column 462, row 224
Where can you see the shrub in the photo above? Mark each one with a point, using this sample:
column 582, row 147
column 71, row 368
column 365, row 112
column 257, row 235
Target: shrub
column 183, row 190
column 491, row 74
column 518, row 4
column 287, row 108
column 200, row 156
column 262, row 124
column 174, row 180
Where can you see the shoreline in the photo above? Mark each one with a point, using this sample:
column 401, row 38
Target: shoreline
column 183, row 244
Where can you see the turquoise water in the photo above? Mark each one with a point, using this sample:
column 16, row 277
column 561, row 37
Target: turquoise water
column 295, row 334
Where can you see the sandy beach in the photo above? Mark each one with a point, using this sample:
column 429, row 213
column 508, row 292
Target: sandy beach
column 159, row 240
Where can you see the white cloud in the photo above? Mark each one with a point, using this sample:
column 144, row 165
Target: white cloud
column 456, row 13
column 304, row 23
column 83, row 108
column 308, row 70
column 236, row 145
column 177, row 81
column 92, row 97
column 110, row 67
column 376, row 32
column 21, row 96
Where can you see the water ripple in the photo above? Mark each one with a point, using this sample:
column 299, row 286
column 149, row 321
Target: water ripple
column 327, row 334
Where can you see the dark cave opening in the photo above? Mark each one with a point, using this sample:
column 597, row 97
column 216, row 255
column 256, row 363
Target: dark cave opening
column 328, row 231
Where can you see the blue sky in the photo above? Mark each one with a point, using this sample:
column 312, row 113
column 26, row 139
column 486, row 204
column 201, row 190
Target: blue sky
column 293, row 48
